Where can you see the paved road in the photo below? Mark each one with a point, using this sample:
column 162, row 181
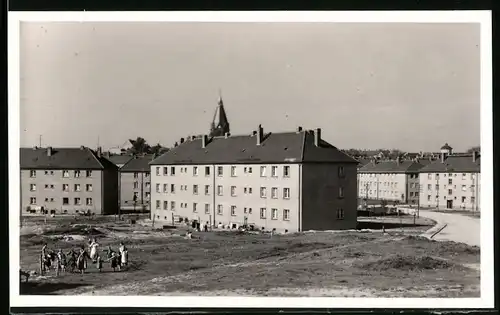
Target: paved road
column 460, row 228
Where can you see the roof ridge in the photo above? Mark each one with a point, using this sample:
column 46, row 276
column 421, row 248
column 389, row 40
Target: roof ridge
column 95, row 157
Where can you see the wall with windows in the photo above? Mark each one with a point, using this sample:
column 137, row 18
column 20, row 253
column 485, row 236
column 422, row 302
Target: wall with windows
column 458, row 191
column 62, row 191
column 383, row 186
column 260, row 195
column 329, row 196
column 135, row 183
column 412, row 183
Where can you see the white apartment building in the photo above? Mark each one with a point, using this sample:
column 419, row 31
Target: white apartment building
column 292, row 181
column 453, row 182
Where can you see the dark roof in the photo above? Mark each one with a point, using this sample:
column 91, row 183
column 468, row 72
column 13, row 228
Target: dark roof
column 391, row 167
column 286, row 147
column 362, row 162
column 137, row 164
column 454, row 163
column 62, row 158
column 119, row 159
column 446, row 146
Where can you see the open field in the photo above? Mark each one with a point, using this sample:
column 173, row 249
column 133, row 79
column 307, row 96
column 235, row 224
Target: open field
column 339, row 264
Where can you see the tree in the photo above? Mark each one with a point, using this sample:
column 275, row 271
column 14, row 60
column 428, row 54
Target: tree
column 476, row 148
column 139, row 146
column 158, row 149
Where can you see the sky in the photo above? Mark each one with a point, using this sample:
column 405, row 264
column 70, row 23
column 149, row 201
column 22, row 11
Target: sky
column 410, row 86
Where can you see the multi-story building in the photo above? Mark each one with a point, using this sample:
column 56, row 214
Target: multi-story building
column 67, row 180
column 135, row 184
column 452, row 182
column 291, row 181
column 390, row 180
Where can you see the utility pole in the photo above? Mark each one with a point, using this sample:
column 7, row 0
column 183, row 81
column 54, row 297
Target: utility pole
column 418, row 200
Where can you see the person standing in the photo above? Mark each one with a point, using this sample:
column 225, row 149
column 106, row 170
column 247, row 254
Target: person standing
column 99, row 262
column 61, row 257
column 43, row 257
column 123, row 255
column 93, row 250
column 81, row 261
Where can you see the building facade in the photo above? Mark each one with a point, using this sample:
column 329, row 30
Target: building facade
column 135, row 184
column 285, row 181
column 453, row 182
column 67, row 181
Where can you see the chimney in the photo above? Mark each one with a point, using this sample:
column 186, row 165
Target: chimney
column 176, row 144
column 254, row 133
column 82, row 147
column 475, row 155
column 260, row 131
column 226, row 135
column 193, row 137
column 182, row 140
column 299, row 129
column 99, row 152
column 317, row 136
column 49, row 151
column 398, row 159
column 204, row 141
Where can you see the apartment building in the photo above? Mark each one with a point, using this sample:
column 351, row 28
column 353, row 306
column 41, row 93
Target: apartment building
column 135, row 184
column 390, row 180
column 452, row 182
column 292, row 181
column 67, row 180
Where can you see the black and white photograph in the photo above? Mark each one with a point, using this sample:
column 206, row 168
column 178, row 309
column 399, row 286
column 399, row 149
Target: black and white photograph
column 220, row 160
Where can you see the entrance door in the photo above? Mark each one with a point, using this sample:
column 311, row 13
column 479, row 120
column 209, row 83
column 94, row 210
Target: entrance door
column 449, row 204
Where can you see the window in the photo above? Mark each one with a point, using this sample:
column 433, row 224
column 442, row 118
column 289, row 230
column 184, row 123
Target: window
column 472, row 199
column 157, row 187
column 77, row 201
column 158, row 171
column 450, row 175
column 249, row 190
column 450, row 192
column 136, row 195
column 341, row 172
column 286, row 214
column 262, row 213
column 219, row 209
column 464, row 176
column 172, row 205
column 136, row 175
column 165, row 188
column 65, row 201
column 148, row 185
column 32, row 187
column 245, row 210
column 165, row 205
column 411, row 193
column 437, row 187
column 65, row 173
column 88, row 187
column 195, row 189
column 274, row 193
column 244, row 190
column 32, row 201
column 207, row 170
column 77, row 187
column 429, row 187
column 65, row 187
column 233, row 191
column 286, row 193
column 89, row 201
column 340, row 214
column 88, row 173
column 46, row 186
column 428, row 197
column 233, row 210
column 147, row 174
column 136, row 185
column 249, row 210
column 172, row 170
column 412, row 184
column 274, row 214
column 286, row 172
column 263, row 192
column 157, row 204
column 233, row 171
column 77, row 174
column 262, row 171
column 274, row 171
column 207, row 208
column 450, row 181
column 195, row 205
column 220, row 171
column 147, row 194
column 472, row 188
column 207, row 190
column 32, row 173
column 341, row 192
column 220, row 190
column 195, row 171
column 463, row 199
column 245, row 170
column 172, row 188
column 250, row 170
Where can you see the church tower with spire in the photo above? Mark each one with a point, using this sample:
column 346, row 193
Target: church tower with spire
column 222, row 125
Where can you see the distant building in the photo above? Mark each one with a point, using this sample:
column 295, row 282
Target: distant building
column 127, row 145
column 68, row 180
column 222, row 126
column 135, row 184
column 390, row 180
column 452, row 182
column 291, row 181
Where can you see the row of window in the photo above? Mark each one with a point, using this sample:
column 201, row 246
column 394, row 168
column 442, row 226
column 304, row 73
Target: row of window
column 65, row 201
column 220, row 190
column 65, row 187
column 136, row 174
column 146, row 185
column 429, row 175
column 463, row 198
column 464, row 175
column 220, row 170
column 464, row 187
column 65, row 173
column 387, row 184
column 391, row 175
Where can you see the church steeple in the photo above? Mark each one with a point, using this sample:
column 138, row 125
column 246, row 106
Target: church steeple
column 223, row 124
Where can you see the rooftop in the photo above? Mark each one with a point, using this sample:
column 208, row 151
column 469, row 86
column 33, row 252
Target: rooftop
column 285, row 147
column 461, row 163
column 137, row 164
column 391, row 167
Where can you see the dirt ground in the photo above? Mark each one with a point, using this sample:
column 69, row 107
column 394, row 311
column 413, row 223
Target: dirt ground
column 366, row 263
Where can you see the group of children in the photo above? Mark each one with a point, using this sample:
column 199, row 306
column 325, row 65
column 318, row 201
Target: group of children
column 78, row 259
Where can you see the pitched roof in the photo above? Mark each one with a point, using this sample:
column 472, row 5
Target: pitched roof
column 137, row 164
column 461, row 163
column 62, row 158
column 286, row 147
column 391, row 167
column 119, row 159
column 446, row 146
